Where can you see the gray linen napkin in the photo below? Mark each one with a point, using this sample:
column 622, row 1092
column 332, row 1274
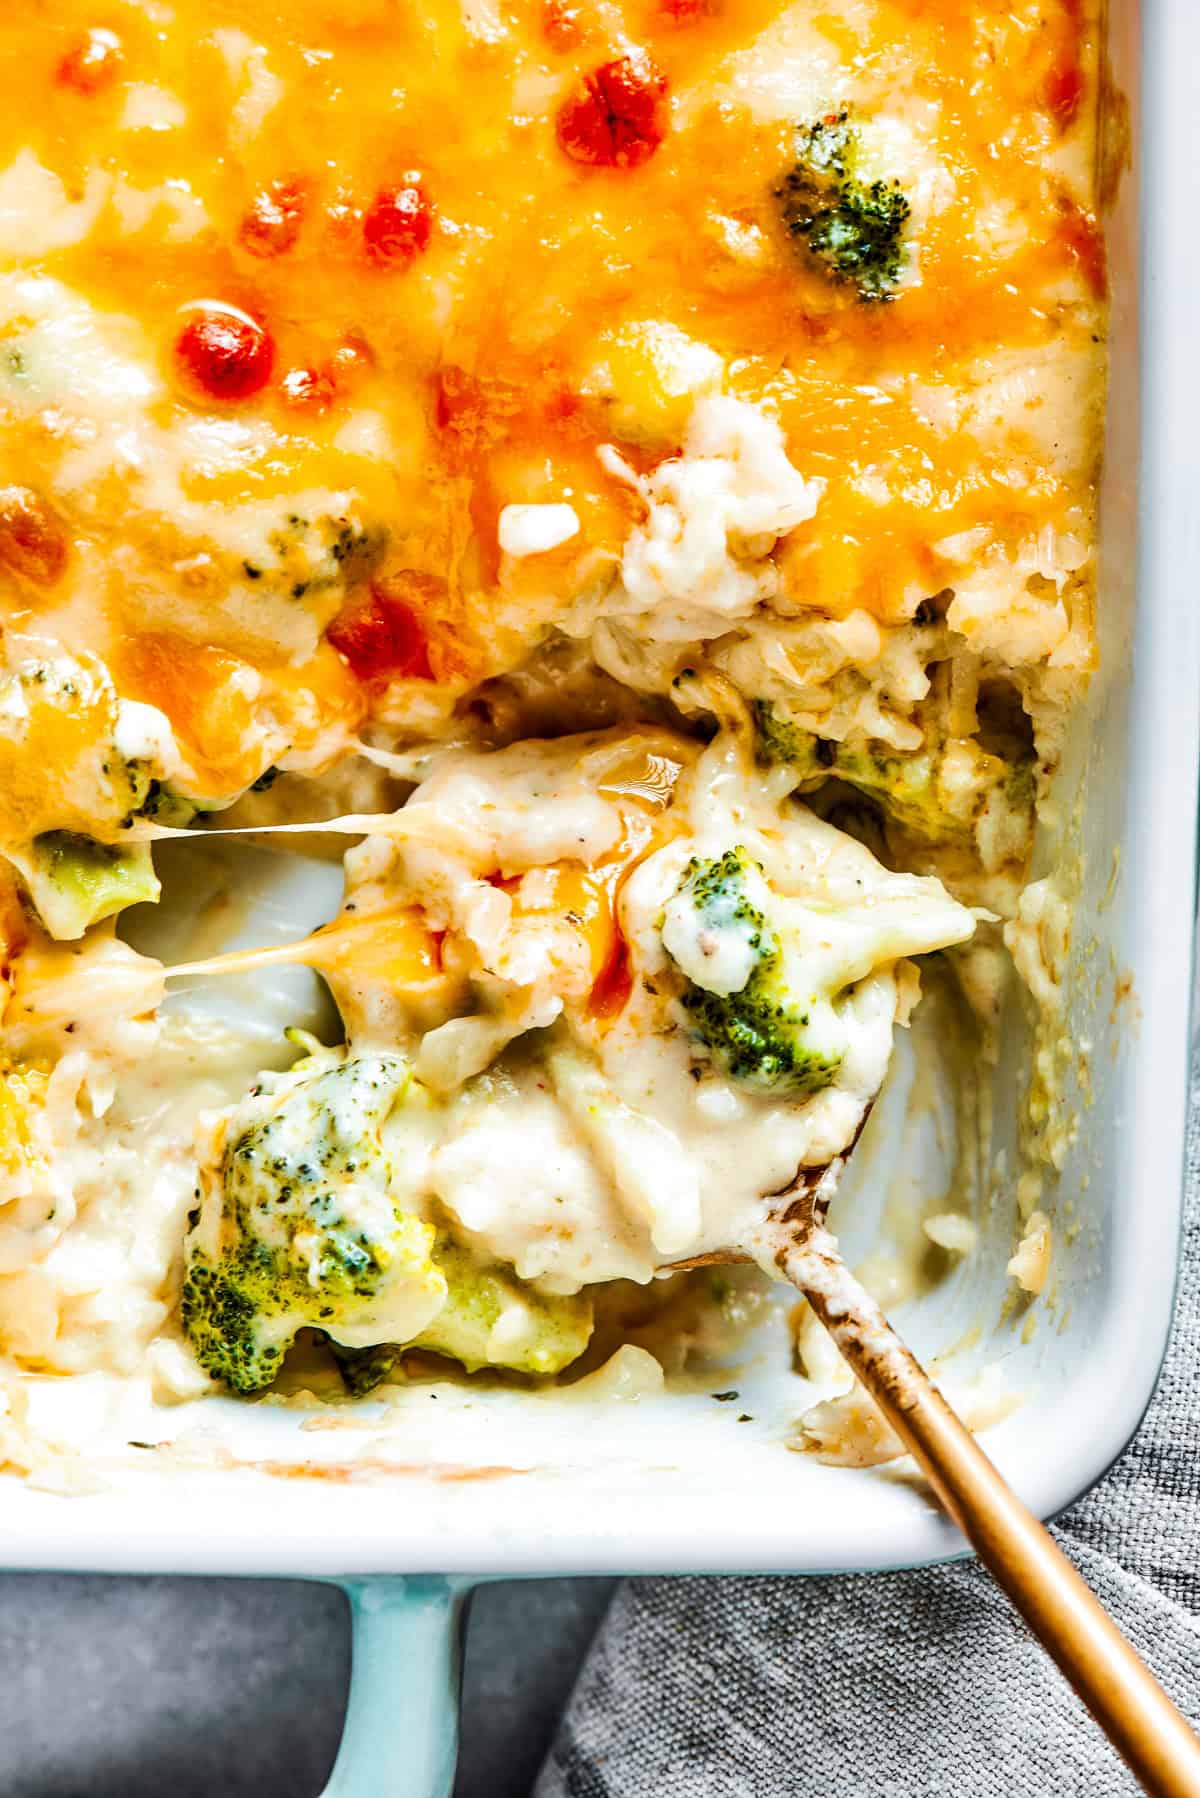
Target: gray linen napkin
column 901, row 1684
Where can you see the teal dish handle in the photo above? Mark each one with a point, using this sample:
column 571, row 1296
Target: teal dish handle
column 400, row 1737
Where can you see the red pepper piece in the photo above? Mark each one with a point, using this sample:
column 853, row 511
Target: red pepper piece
column 618, row 117
column 398, row 222
column 224, row 353
column 382, row 637
column 93, row 63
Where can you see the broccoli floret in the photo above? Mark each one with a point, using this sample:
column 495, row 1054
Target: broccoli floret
column 737, row 996
column 163, row 805
column 1020, row 784
column 234, row 1318
column 755, row 1037
column 539, row 1333
column 492, row 1319
column 74, row 881
column 907, row 788
column 310, row 555
column 853, row 229
column 778, row 740
column 78, row 766
column 298, row 1228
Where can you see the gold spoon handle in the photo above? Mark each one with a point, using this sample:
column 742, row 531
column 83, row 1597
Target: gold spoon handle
column 1120, row 1691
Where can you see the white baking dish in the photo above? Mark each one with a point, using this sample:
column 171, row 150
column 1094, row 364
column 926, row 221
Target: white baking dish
column 470, row 1485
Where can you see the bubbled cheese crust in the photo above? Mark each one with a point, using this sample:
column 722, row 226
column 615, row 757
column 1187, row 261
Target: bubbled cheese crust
column 362, row 367
column 493, row 321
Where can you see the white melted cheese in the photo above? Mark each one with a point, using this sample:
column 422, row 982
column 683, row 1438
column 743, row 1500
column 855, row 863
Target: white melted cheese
column 257, row 89
column 579, row 1150
column 144, row 734
column 36, row 216
column 532, row 530
column 151, row 108
column 701, row 559
column 94, row 381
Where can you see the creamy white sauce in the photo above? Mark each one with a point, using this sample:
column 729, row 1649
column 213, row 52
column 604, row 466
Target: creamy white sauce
column 144, row 734
column 701, row 559
column 588, row 1150
column 92, row 1287
column 151, row 108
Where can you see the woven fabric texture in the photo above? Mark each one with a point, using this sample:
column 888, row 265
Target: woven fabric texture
column 901, row 1685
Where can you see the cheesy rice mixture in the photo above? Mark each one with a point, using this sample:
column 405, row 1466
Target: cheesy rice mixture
column 628, row 469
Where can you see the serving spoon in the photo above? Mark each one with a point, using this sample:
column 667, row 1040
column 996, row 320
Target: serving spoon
column 1123, row 1696
column 792, row 1240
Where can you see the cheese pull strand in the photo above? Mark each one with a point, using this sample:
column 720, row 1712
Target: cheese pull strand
column 396, row 942
column 240, row 961
column 418, row 824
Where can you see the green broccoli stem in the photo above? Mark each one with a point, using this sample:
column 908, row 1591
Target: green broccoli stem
column 363, row 1369
column 300, row 1225
column 905, row 788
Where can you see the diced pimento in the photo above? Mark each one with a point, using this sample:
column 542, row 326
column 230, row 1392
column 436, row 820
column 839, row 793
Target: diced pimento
column 398, row 222
column 381, row 634
column 94, row 63
column 224, row 353
column 309, row 390
column 617, row 118
column 686, row 12
column 33, row 541
column 271, row 223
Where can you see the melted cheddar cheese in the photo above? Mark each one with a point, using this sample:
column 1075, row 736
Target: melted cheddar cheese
column 472, row 290
column 559, row 437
